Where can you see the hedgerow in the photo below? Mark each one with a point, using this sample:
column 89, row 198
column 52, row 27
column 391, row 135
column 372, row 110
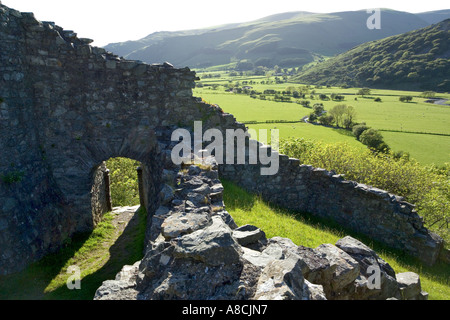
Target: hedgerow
column 428, row 187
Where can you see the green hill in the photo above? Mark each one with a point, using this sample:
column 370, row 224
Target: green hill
column 289, row 39
column 416, row 60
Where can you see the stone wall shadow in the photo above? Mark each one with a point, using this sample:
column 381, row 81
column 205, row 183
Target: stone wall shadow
column 126, row 250
column 30, row 283
column 234, row 198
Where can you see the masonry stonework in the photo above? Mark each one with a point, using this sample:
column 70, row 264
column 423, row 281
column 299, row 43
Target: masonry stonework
column 67, row 106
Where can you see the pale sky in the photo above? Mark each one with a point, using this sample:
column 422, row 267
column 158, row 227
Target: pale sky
column 108, row 21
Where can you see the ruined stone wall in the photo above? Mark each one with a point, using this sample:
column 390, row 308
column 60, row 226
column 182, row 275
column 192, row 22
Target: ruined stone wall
column 67, row 106
column 197, row 252
column 373, row 212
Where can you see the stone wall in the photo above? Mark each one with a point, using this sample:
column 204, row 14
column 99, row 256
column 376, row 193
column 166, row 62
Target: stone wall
column 373, row 212
column 197, row 252
column 100, row 199
column 67, row 106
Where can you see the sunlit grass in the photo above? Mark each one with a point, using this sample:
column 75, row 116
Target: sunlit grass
column 307, row 230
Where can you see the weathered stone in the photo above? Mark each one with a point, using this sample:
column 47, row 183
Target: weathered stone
column 122, row 288
column 347, row 269
column 66, row 107
column 409, row 284
column 371, row 266
column 281, row 280
column 353, row 246
column 166, row 194
column 213, row 245
column 259, row 259
column 248, row 234
column 312, row 291
column 315, row 266
column 183, row 223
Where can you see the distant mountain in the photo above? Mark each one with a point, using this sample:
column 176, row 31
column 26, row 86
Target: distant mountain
column 418, row 59
column 433, row 17
column 287, row 39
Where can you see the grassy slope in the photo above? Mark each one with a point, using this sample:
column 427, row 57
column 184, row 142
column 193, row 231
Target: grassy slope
column 306, row 230
column 418, row 59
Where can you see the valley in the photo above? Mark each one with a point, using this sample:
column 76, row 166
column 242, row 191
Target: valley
column 422, row 129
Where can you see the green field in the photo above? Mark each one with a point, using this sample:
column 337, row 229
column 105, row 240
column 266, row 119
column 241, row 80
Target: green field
column 402, row 124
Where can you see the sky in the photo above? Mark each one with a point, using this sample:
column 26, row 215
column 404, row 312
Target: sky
column 108, row 21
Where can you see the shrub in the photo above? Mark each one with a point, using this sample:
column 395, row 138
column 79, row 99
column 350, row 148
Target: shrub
column 318, row 109
column 428, row 94
column 12, row 177
column 124, row 184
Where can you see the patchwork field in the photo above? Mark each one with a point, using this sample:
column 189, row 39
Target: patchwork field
column 422, row 129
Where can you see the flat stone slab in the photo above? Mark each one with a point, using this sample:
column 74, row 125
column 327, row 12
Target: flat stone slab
column 184, row 223
column 247, row 234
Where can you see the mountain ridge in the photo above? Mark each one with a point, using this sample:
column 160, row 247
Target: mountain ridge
column 285, row 39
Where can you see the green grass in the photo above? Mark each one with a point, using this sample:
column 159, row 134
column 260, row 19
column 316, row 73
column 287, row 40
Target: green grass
column 99, row 255
column 424, row 148
column 307, row 230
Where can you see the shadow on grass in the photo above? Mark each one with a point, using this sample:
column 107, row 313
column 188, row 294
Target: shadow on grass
column 126, row 250
column 31, row 283
column 439, row 272
column 344, row 132
column 234, row 198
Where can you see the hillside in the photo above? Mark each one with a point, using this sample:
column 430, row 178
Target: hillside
column 418, row 60
column 288, row 40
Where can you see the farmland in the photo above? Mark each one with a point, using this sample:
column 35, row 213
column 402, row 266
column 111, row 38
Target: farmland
column 422, row 129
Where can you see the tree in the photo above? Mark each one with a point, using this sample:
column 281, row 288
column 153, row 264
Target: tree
column 364, row 92
column 349, row 117
column 337, row 97
column 359, row 129
column 337, row 113
column 318, row 109
column 372, row 138
column 406, row 98
column 305, row 103
column 326, row 119
column 428, row 94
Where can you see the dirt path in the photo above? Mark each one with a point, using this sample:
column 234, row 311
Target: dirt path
column 123, row 216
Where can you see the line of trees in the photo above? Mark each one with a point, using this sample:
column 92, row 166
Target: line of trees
column 341, row 115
